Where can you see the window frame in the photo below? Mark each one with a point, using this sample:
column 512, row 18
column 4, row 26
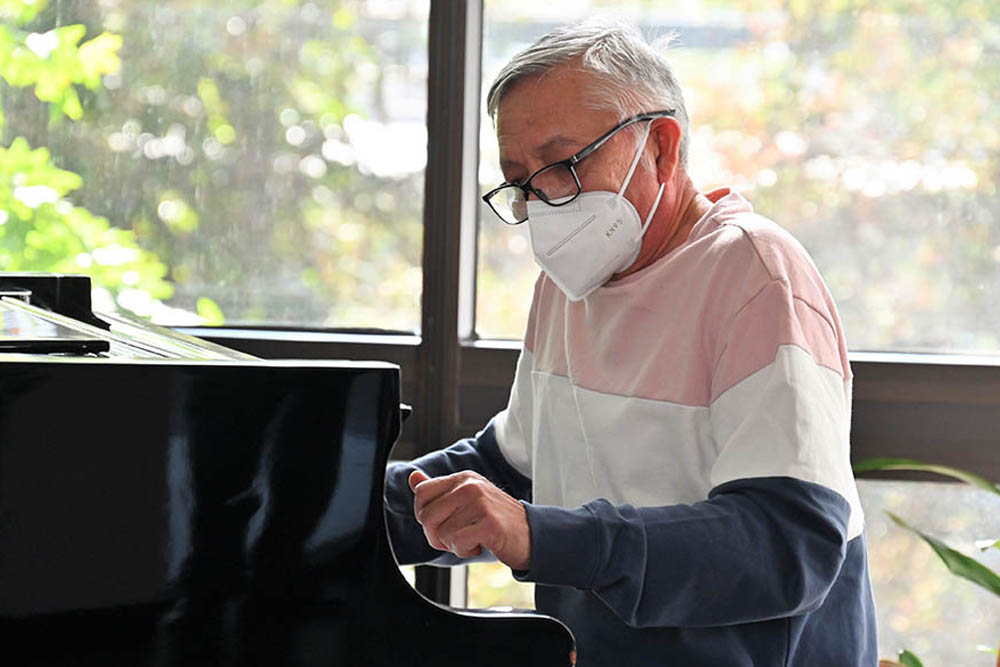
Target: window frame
column 935, row 407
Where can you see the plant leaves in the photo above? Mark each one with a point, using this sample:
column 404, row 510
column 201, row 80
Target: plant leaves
column 988, row 649
column 99, row 56
column 910, row 660
column 959, row 564
column 210, row 312
column 869, row 465
column 986, row 545
column 20, row 12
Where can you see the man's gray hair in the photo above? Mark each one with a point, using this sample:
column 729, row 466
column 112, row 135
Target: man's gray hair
column 631, row 77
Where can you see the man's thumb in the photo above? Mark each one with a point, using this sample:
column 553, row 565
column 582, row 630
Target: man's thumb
column 416, row 477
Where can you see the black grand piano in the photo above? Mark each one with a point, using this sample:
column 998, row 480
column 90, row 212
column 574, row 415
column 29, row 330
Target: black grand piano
column 169, row 502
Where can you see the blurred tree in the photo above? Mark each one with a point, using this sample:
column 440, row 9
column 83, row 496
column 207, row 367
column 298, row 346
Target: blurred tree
column 868, row 128
column 226, row 143
column 40, row 229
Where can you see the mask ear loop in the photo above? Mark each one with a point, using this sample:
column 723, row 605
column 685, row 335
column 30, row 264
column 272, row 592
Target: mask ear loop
column 628, row 179
column 635, row 161
column 656, row 203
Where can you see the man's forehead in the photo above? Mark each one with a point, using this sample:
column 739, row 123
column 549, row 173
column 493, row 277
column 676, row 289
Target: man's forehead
column 556, row 93
column 549, row 112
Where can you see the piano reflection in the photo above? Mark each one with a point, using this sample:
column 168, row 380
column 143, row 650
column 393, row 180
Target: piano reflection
column 165, row 501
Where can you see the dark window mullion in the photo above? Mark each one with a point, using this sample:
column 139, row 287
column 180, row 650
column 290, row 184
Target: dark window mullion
column 444, row 195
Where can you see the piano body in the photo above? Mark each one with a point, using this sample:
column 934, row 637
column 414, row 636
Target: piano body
column 167, row 502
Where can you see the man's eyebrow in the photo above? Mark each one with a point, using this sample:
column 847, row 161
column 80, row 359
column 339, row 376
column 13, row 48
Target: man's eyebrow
column 544, row 150
column 558, row 141
column 507, row 166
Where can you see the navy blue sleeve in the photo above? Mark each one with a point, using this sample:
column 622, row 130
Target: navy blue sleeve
column 480, row 454
column 756, row 549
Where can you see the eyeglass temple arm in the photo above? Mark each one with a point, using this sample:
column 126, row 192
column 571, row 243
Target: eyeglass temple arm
column 601, row 140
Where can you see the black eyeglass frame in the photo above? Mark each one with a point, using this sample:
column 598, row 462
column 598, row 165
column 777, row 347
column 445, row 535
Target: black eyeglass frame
column 570, row 163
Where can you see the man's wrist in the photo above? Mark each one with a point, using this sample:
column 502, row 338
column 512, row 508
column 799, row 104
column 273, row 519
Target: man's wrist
column 564, row 546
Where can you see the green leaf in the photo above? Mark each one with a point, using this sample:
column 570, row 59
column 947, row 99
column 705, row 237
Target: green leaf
column 869, row 465
column 986, row 545
column 910, row 660
column 19, row 11
column 99, row 56
column 70, row 35
column 988, row 649
column 209, row 311
column 176, row 214
column 71, row 104
column 959, row 564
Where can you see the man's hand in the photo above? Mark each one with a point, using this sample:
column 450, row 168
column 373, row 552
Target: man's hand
column 464, row 513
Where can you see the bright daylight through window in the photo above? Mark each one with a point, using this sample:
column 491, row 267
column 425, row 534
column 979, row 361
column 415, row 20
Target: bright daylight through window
column 240, row 162
column 867, row 129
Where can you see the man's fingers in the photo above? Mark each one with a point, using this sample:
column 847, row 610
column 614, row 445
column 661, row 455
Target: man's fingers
column 445, row 504
column 464, row 513
column 468, row 540
column 415, row 478
column 435, row 487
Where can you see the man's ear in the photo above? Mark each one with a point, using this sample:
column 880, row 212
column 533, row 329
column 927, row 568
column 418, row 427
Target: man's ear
column 666, row 133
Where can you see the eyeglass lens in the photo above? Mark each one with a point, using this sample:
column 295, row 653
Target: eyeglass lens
column 517, row 205
column 552, row 183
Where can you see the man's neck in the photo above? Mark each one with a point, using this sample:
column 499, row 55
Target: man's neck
column 690, row 207
column 695, row 209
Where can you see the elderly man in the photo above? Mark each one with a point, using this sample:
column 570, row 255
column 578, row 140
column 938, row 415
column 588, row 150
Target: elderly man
column 672, row 469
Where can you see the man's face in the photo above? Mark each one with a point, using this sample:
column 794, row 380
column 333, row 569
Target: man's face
column 544, row 119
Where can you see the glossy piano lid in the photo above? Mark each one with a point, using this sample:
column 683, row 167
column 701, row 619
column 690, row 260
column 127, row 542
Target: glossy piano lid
column 167, row 340
column 125, row 338
column 24, row 331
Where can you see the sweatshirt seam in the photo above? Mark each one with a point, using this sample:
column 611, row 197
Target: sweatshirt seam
column 772, row 278
column 746, row 304
column 753, row 246
column 839, row 372
column 551, row 374
column 598, row 547
column 808, row 304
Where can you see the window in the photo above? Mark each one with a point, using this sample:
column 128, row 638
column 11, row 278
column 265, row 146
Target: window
column 237, row 163
column 866, row 129
column 922, row 606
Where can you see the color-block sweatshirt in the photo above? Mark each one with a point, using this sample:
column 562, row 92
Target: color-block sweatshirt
column 680, row 440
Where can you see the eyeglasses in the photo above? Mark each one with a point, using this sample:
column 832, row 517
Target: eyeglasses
column 556, row 184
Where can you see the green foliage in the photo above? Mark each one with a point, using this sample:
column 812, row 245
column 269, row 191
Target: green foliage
column 957, row 563
column 991, row 650
column 40, row 228
column 910, row 464
column 42, row 231
column 20, row 12
column 54, row 62
column 210, row 312
column 868, row 87
column 224, row 147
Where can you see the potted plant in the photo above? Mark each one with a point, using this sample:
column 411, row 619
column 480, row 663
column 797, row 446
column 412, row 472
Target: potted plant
column 958, row 563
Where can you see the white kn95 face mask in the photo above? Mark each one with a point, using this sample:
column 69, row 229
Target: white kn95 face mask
column 580, row 245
